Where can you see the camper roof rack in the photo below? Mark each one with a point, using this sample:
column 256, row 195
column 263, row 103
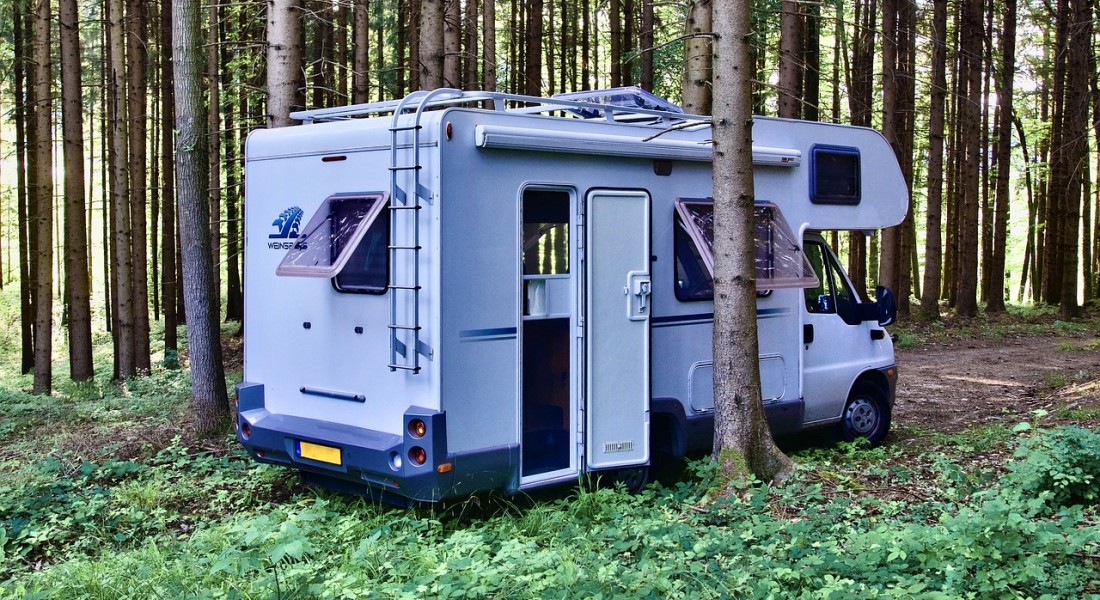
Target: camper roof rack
column 611, row 104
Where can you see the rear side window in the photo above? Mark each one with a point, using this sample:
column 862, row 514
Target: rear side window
column 834, row 175
column 367, row 270
column 780, row 262
column 346, row 240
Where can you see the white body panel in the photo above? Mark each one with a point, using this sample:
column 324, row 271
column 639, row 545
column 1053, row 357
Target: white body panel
column 473, row 297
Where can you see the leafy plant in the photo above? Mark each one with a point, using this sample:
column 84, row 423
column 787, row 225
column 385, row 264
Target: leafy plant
column 1062, row 465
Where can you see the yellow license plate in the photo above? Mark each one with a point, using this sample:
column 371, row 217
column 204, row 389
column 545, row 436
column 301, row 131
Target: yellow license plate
column 319, row 453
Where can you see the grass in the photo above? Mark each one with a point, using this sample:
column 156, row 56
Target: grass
column 104, row 495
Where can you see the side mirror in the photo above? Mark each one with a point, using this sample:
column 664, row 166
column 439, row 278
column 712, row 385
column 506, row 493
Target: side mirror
column 887, row 306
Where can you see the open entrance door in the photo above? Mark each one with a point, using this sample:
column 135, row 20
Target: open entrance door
column 619, row 293
column 548, row 373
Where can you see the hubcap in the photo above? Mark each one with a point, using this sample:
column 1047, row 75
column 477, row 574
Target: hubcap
column 861, row 416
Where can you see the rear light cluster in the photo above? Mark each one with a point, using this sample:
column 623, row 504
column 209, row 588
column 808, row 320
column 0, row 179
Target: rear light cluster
column 418, row 429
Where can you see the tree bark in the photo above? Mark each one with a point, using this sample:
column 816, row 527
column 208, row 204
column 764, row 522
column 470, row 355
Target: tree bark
column 533, row 52
column 969, row 118
column 743, row 444
column 811, row 70
column 361, row 64
column 470, row 57
column 284, row 61
column 489, row 46
column 452, row 44
column 23, row 112
column 1004, row 157
column 122, row 253
column 76, row 235
column 208, row 395
column 431, row 44
column 790, row 58
column 698, row 58
column 1076, row 111
column 930, row 306
column 646, row 40
column 43, row 201
column 137, row 41
column 213, row 84
column 168, row 283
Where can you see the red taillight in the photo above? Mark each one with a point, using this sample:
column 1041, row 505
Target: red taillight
column 246, row 429
column 418, row 455
column 417, row 428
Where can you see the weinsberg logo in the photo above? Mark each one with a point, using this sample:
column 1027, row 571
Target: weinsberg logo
column 287, row 224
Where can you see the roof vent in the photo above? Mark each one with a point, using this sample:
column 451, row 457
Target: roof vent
column 626, row 97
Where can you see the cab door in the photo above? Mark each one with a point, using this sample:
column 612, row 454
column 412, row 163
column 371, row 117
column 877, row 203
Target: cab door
column 617, row 307
column 836, row 344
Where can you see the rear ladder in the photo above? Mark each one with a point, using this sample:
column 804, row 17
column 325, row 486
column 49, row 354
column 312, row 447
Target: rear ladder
column 404, row 247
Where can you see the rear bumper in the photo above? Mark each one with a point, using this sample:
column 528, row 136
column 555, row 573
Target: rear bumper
column 373, row 462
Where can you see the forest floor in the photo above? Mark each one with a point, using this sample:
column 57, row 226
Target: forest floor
column 950, row 386
column 104, row 492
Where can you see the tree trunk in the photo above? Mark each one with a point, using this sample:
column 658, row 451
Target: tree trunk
column 969, row 118
column 23, row 113
column 743, row 444
column 489, row 46
column 811, row 71
column 234, row 295
column 1058, row 178
column 137, row 40
column 168, row 283
column 43, row 201
column 1076, row 111
column 586, row 44
column 889, row 261
column 342, row 58
column 1004, row 157
column 431, row 44
column 120, row 198
column 208, row 395
column 470, row 59
column 933, row 245
column 698, row 58
column 533, row 53
column 452, row 44
column 213, row 84
column 614, row 14
column 361, row 43
column 790, row 60
column 76, row 242
column 646, row 39
column 284, row 61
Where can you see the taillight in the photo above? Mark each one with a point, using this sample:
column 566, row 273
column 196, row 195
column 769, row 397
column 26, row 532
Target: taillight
column 246, row 429
column 418, row 455
column 417, row 428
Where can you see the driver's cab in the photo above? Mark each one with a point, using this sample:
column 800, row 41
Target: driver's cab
column 841, row 334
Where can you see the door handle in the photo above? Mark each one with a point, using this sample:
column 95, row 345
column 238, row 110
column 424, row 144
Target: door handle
column 639, row 288
column 808, row 333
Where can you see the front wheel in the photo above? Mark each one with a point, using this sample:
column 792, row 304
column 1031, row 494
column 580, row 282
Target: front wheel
column 866, row 415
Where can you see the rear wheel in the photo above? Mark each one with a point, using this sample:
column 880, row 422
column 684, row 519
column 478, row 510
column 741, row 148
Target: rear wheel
column 633, row 479
column 866, row 415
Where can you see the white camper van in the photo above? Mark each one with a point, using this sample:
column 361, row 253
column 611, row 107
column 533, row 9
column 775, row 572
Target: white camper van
column 461, row 291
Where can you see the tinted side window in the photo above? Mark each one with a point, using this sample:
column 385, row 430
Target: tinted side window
column 833, row 295
column 693, row 280
column 367, row 271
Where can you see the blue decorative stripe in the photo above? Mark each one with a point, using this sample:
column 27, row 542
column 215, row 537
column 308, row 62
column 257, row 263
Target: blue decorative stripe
column 477, row 335
column 697, row 318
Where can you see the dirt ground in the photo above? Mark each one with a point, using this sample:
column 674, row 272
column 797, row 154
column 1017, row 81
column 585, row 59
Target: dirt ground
column 969, row 383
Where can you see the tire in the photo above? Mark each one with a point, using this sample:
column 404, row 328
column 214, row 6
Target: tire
column 633, row 479
column 866, row 415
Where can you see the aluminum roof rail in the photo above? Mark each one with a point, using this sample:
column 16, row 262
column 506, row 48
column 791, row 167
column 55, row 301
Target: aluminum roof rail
column 525, row 105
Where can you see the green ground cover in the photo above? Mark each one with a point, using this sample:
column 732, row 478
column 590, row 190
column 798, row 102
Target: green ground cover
column 104, row 494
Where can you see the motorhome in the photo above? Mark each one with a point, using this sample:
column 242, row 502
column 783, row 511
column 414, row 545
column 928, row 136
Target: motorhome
column 461, row 291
